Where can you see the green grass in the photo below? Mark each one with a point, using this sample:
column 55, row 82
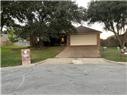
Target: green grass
column 111, row 53
column 11, row 55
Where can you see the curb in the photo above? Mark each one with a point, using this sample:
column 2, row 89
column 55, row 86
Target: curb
column 34, row 64
column 115, row 61
column 23, row 66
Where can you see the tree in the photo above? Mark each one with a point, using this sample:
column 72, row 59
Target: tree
column 11, row 35
column 43, row 19
column 20, row 10
column 110, row 42
column 113, row 14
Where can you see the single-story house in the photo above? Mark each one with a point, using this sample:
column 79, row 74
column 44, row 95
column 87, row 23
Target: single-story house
column 85, row 42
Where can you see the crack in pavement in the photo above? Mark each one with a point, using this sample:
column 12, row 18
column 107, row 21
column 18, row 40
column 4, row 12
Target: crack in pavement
column 25, row 74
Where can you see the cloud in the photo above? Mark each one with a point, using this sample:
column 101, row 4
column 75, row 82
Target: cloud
column 97, row 26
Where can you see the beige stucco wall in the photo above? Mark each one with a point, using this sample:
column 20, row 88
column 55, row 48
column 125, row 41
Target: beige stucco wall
column 89, row 39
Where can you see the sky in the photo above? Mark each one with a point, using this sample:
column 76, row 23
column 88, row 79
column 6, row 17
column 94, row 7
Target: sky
column 97, row 26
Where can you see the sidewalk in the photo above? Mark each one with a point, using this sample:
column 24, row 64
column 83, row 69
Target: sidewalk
column 75, row 61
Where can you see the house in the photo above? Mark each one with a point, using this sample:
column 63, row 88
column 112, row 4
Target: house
column 4, row 40
column 124, row 38
column 85, row 42
column 113, row 42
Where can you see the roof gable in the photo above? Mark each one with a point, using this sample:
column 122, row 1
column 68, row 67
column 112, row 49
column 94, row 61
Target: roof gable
column 83, row 29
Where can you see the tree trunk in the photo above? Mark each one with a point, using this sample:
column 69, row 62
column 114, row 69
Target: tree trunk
column 33, row 41
column 119, row 40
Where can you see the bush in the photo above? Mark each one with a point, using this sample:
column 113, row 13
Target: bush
column 11, row 35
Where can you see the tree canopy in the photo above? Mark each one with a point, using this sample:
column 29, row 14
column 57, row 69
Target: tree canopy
column 113, row 14
column 43, row 19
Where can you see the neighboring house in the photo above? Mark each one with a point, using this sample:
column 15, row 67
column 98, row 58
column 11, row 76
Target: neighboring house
column 22, row 42
column 4, row 39
column 124, row 38
column 113, row 42
column 83, row 43
column 110, row 42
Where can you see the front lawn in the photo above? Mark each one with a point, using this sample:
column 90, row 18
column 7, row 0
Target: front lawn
column 11, row 55
column 111, row 53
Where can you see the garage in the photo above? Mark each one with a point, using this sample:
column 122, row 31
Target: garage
column 84, row 36
column 84, row 43
column 81, row 40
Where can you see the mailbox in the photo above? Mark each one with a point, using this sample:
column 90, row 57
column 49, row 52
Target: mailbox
column 26, row 59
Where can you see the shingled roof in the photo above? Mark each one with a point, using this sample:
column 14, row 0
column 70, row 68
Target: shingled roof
column 82, row 29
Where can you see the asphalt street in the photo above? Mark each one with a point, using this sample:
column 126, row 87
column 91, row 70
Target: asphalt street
column 68, row 79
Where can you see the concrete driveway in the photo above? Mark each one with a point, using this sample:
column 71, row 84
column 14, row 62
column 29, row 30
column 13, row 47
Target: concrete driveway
column 79, row 51
column 99, row 78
